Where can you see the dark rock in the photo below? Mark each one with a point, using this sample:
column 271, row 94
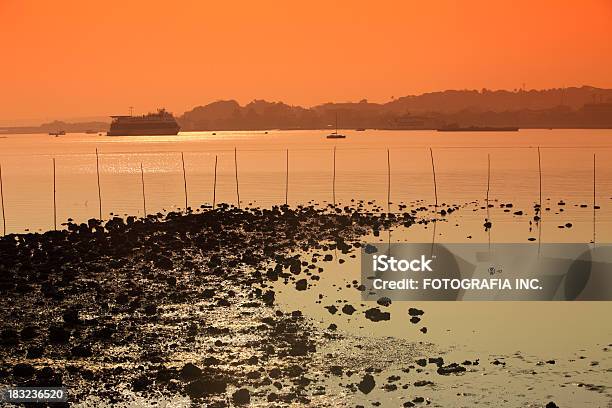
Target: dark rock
column 205, row 386
column 336, row 370
column 348, row 309
column 453, row 368
column 302, row 284
column 210, row 361
column 35, row 352
column 23, row 370
column 71, row 316
column 45, row 372
column 58, row 335
column 190, row 371
column 141, row 383
column 374, row 314
column 370, row 249
column 274, row 373
column 28, row 333
column 384, row 301
column 9, row 337
column 163, row 262
column 150, row 310
column 415, row 312
column 81, row 351
column 439, row 361
column 268, row 298
column 241, row 396
column 367, row 384
column 332, row 309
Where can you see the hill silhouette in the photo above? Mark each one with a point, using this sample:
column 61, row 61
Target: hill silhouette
column 561, row 107
column 574, row 107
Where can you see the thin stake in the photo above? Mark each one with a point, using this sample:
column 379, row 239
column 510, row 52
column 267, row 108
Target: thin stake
column 184, row 180
column 54, row 202
column 334, row 179
column 2, row 201
column 488, row 182
column 540, row 212
column 144, row 197
column 487, row 200
column 388, row 181
column 287, row 180
column 540, row 174
column 594, row 206
column 236, row 173
column 433, row 169
column 99, row 190
column 215, row 185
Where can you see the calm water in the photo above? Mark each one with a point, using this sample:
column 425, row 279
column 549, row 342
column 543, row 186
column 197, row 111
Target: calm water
column 361, row 170
column 521, row 332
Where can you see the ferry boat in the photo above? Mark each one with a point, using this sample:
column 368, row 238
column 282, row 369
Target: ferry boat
column 159, row 123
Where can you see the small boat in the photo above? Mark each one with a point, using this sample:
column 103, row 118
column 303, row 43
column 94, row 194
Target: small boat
column 336, row 135
column 360, row 130
column 57, row 133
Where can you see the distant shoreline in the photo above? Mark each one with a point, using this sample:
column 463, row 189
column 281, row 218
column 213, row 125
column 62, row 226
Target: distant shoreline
column 7, row 132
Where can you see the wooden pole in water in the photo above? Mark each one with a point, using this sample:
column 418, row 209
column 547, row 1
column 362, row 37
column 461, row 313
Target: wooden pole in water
column 287, row 180
column 540, row 212
column 144, row 197
column 236, row 173
column 334, row 179
column 488, row 183
column 433, row 169
column 215, row 185
column 184, row 180
column 54, row 201
column 594, row 200
column 388, row 181
column 540, row 175
column 2, row 202
column 99, row 190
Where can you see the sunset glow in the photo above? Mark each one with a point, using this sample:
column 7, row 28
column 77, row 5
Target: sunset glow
column 68, row 59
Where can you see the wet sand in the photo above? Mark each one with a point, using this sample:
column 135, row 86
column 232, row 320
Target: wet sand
column 229, row 307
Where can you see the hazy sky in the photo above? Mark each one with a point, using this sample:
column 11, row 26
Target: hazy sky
column 85, row 58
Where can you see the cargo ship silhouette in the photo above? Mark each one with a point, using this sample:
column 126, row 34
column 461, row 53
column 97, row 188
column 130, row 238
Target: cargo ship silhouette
column 159, row 123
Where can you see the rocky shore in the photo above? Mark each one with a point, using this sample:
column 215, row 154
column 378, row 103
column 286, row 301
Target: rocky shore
column 182, row 307
column 172, row 304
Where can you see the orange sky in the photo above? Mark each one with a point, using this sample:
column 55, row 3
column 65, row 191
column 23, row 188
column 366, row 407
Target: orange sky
column 84, row 58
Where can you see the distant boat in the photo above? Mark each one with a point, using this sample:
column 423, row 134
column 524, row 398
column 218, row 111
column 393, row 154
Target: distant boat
column 57, row 133
column 160, row 123
column 336, row 135
column 90, row 132
column 360, row 130
column 455, row 128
